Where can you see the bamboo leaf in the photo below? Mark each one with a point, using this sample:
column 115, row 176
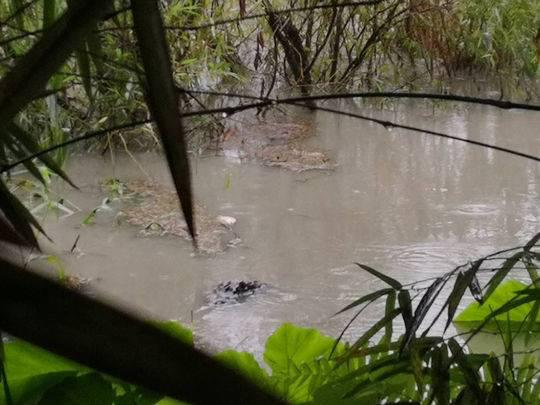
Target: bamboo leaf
column 396, row 285
column 476, row 290
column 33, row 147
column 18, row 216
column 532, row 243
column 374, row 329
column 93, row 42
column 83, row 62
column 404, row 299
column 389, row 307
column 31, row 72
column 162, row 99
column 370, row 297
column 421, row 311
column 463, row 281
column 471, row 375
column 8, row 234
column 99, row 336
column 440, row 377
column 502, row 273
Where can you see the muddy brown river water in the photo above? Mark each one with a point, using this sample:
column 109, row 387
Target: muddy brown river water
column 410, row 205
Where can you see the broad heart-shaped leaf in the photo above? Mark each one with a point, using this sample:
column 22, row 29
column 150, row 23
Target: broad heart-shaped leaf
column 87, row 389
column 161, row 97
column 31, row 72
column 106, row 339
column 292, row 352
column 26, row 360
column 245, row 364
column 30, row 390
column 474, row 314
column 31, row 371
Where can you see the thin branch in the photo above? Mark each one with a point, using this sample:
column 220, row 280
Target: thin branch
column 88, row 135
column 298, row 101
column 260, row 15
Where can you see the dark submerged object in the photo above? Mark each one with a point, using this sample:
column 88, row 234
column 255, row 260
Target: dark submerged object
column 235, row 291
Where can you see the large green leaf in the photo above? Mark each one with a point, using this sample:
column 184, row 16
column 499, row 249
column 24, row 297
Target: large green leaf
column 87, row 389
column 245, row 364
column 474, row 314
column 31, row 371
column 162, row 99
column 297, row 357
column 175, row 330
column 30, row 390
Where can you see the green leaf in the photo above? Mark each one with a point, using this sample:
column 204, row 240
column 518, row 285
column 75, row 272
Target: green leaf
column 289, row 352
column 388, row 318
column 475, row 314
column 15, row 7
column 29, row 390
column 421, row 311
column 17, row 214
column 49, row 12
column 396, row 285
column 31, row 371
column 404, row 299
column 463, row 281
column 501, row 274
column 83, row 62
column 440, row 377
column 29, row 165
column 471, row 375
column 28, row 141
column 389, row 307
column 28, row 77
column 88, row 389
column 530, row 244
column 176, row 330
column 366, row 298
column 162, row 100
column 245, row 364
column 26, row 360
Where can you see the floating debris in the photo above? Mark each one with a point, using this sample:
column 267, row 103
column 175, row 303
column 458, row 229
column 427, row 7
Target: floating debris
column 154, row 209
